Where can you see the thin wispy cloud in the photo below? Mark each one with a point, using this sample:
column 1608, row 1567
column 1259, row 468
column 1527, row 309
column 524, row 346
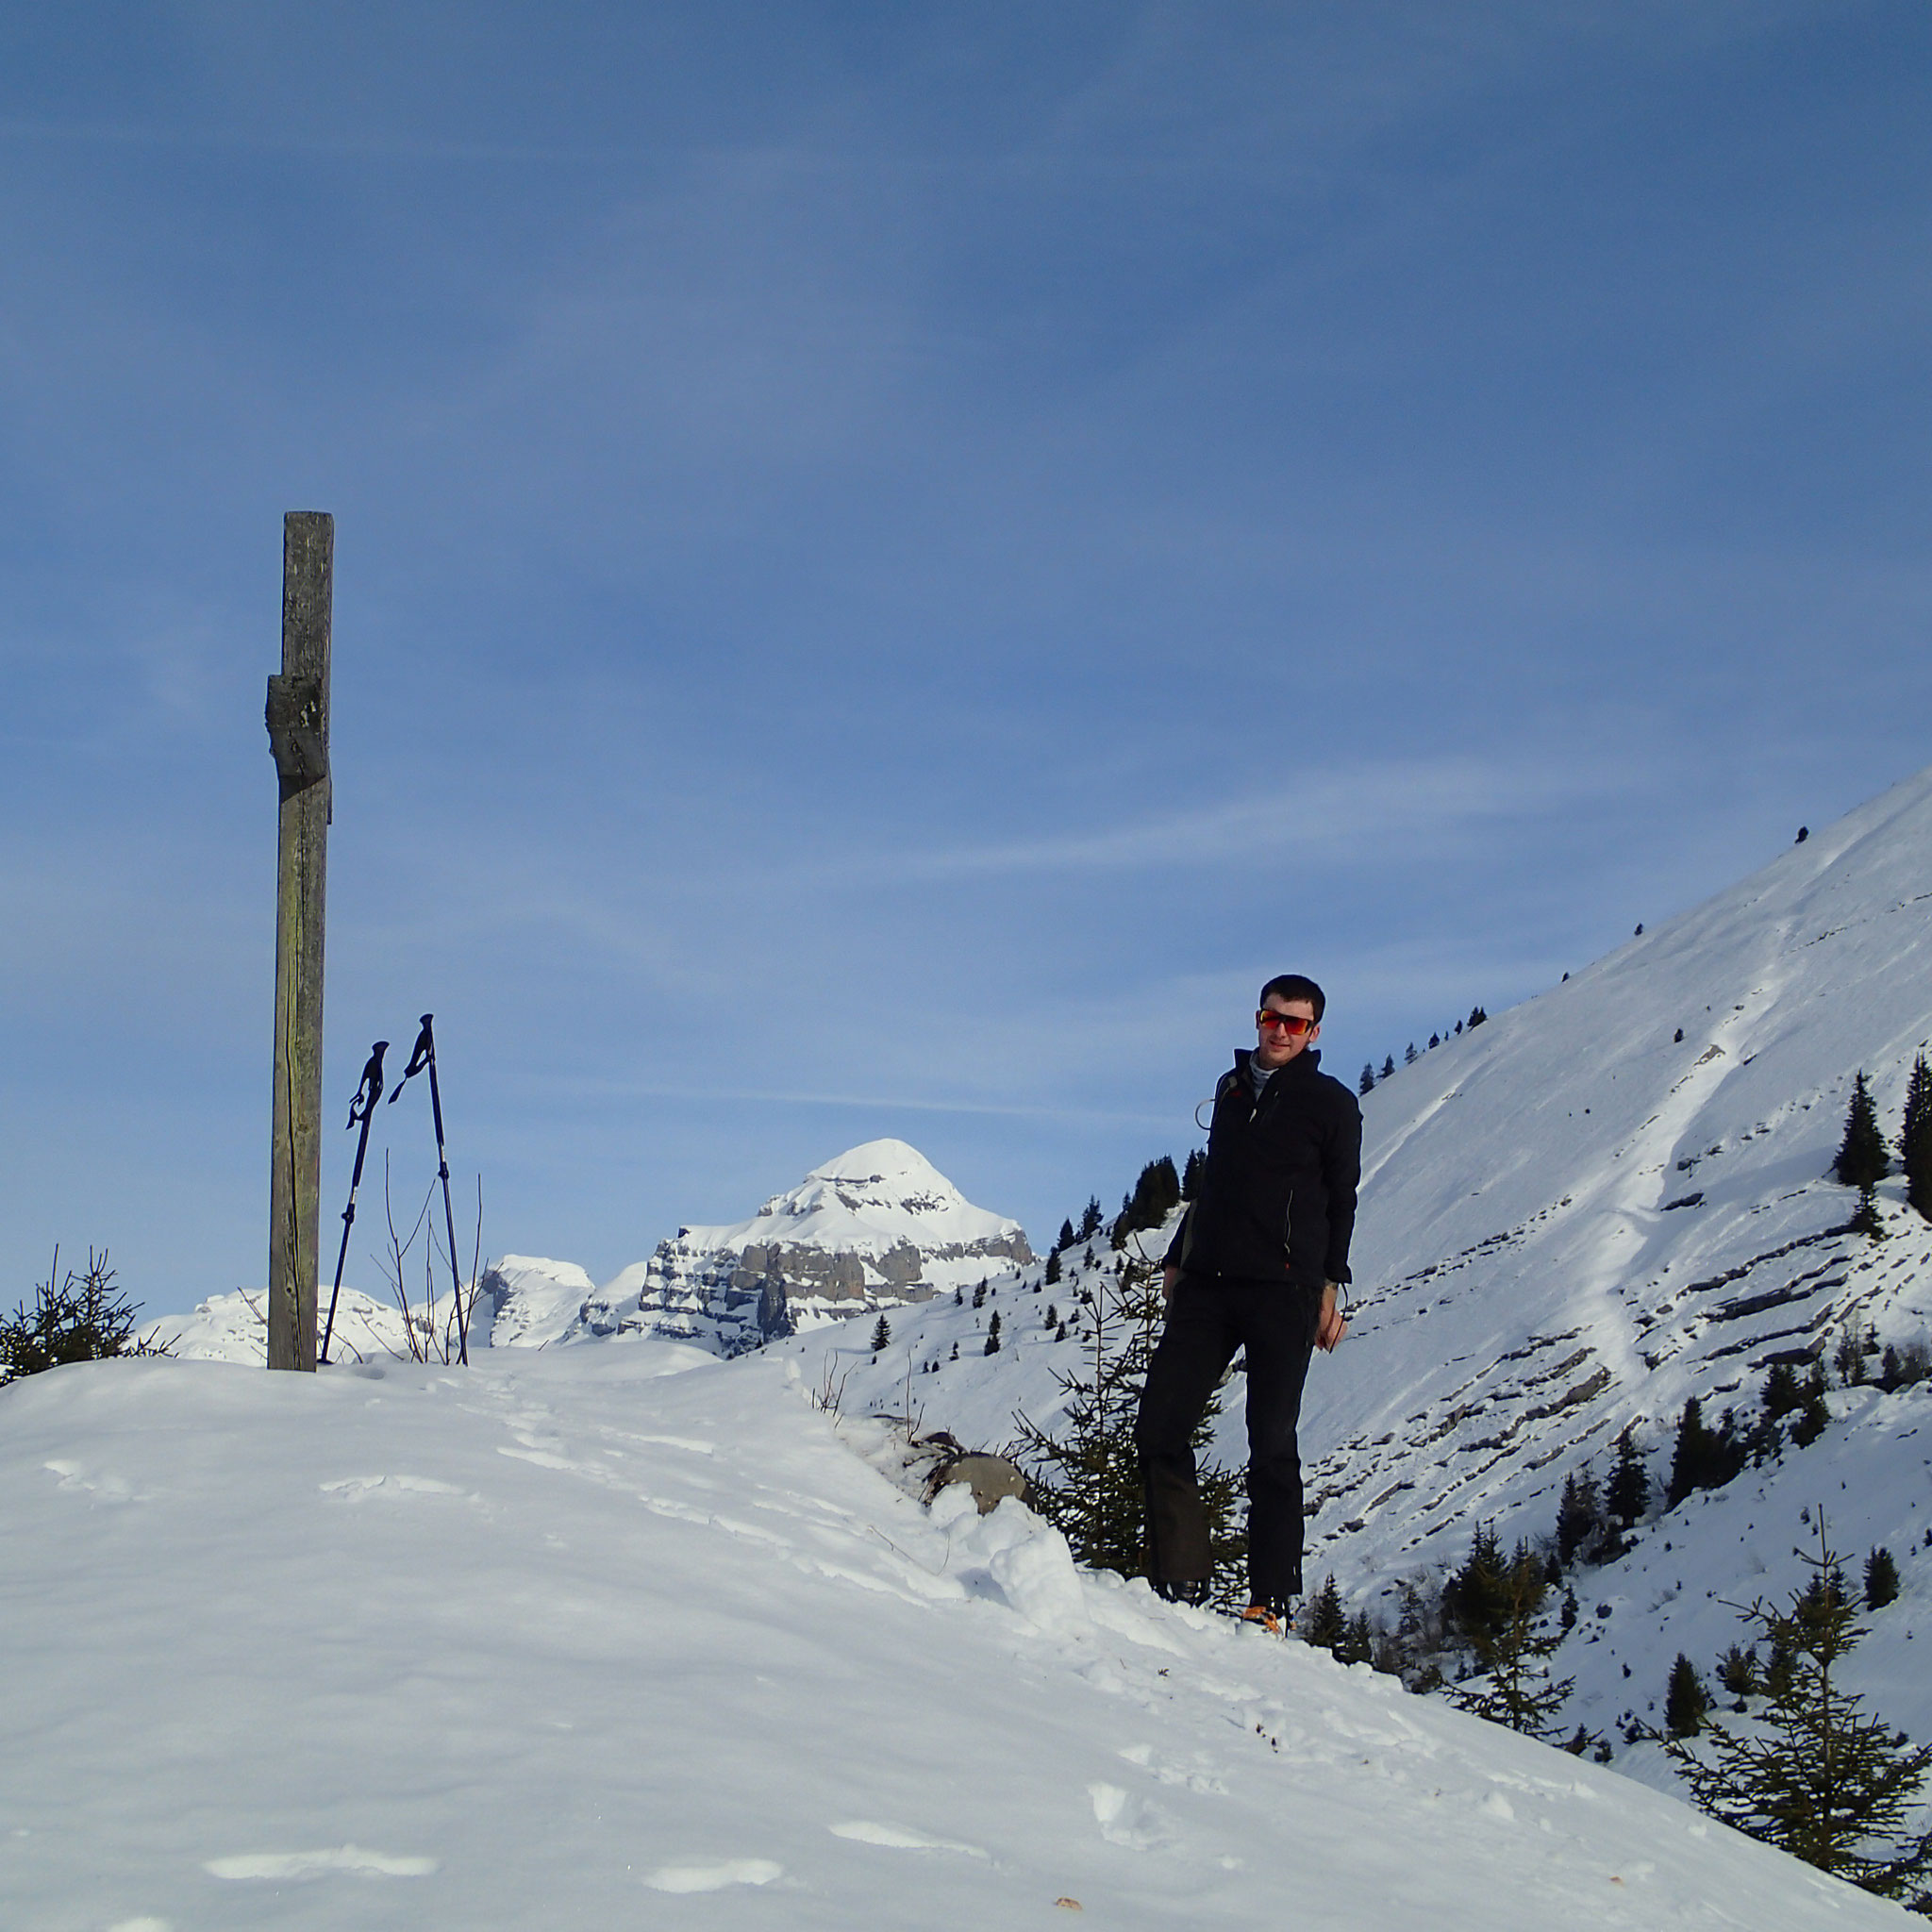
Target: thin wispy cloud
column 1335, row 813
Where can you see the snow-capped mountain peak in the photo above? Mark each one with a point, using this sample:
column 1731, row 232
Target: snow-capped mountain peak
column 876, row 1226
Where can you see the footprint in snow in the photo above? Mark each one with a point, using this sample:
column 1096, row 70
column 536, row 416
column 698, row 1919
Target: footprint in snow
column 357, row 1489
column 715, row 1877
column 1201, row 1774
column 1135, row 1823
column 351, row 1861
column 109, row 1489
column 900, row 1838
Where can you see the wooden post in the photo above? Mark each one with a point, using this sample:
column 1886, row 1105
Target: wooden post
column 298, row 737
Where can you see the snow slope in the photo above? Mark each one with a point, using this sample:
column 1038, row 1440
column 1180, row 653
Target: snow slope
column 627, row 1634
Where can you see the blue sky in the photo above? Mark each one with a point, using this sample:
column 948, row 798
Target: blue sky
column 893, row 562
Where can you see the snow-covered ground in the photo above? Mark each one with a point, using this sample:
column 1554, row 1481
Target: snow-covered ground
column 625, row 1635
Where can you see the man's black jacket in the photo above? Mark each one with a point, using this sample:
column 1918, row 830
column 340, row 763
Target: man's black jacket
column 1276, row 1200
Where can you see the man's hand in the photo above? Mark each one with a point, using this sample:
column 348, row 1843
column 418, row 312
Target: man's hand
column 1170, row 1277
column 1330, row 1327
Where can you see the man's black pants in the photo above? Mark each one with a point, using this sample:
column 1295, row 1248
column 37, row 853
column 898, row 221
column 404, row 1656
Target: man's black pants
column 1209, row 1320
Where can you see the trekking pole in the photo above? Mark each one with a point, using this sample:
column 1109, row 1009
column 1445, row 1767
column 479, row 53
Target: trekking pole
column 423, row 1056
column 359, row 1109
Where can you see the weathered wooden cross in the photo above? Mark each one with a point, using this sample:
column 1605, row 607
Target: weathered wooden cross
column 298, row 737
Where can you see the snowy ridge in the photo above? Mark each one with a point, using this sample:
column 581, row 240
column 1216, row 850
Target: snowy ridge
column 628, row 1635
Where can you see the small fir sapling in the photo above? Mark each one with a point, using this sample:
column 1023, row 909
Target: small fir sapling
column 1497, row 1603
column 85, row 1319
column 881, row 1335
column 1813, row 1774
column 1087, row 1477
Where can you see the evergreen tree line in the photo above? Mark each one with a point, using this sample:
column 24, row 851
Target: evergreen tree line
column 1366, row 1084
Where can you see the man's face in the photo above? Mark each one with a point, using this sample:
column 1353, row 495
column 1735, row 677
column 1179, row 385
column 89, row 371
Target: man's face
column 1276, row 1044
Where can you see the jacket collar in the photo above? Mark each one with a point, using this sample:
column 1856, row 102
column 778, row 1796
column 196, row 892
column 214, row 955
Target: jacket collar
column 1309, row 1059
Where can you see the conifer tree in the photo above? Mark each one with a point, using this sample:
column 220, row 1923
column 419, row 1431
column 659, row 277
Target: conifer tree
column 1881, row 1579
column 1915, row 1142
column 1066, row 1237
column 1389, row 1067
column 1089, row 1219
column 881, row 1334
column 1782, row 1395
column 1690, row 1460
column 1497, row 1608
column 1813, row 1412
column 1408, row 1059
column 1580, row 1515
column 1358, row 1646
column 992, row 1335
column 1862, row 1160
column 1327, row 1621
column 85, row 1319
column 1191, row 1173
column 1812, row 1773
column 1367, row 1083
column 1152, row 1198
column 1628, row 1494
column 1087, row 1478
column 1865, row 1216
column 1686, row 1701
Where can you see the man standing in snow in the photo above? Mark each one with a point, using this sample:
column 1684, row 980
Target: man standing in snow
column 1256, row 1264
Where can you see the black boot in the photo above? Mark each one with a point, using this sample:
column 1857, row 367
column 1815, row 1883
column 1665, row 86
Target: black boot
column 1194, row 1593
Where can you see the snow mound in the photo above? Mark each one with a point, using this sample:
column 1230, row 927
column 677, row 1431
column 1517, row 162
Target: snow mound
column 546, row 1640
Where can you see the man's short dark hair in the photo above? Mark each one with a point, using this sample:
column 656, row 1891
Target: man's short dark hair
column 1295, row 986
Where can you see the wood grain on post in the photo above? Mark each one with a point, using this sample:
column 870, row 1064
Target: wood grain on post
column 298, row 737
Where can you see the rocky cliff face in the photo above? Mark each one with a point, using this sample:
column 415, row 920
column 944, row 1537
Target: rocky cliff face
column 878, row 1227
